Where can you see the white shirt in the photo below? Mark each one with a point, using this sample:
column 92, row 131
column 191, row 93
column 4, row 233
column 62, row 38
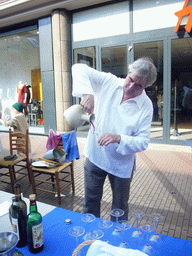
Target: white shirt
column 131, row 120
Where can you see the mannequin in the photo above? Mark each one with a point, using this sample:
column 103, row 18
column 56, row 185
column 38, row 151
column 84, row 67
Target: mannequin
column 22, row 95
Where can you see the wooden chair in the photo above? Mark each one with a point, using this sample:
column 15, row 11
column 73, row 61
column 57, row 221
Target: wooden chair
column 61, row 177
column 17, row 141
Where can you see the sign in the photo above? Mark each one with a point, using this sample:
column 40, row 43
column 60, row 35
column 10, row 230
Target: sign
column 185, row 13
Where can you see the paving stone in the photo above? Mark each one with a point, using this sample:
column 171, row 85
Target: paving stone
column 162, row 183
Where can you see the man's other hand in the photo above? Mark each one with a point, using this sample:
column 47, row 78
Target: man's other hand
column 108, row 138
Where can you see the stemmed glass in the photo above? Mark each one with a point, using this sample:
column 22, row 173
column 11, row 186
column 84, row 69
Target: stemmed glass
column 147, row 227
column 105, row 224
column 87, row 217
column 123, row 225
column 76, row 231
column 137, row 214
column 156, row 217
column 95, row 234
column 117, row 213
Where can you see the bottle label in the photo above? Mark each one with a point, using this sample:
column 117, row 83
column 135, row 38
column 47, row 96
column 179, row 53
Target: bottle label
column 15, row 226
column 37, row 234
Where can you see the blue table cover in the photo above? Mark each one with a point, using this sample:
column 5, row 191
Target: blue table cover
column 57, row 240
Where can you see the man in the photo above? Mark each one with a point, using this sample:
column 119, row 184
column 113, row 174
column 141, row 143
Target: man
column 123, row 114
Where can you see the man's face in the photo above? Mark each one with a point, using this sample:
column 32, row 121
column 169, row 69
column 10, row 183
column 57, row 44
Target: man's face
column 133, row 85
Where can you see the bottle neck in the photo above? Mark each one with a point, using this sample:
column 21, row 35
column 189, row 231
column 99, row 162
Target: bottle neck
column 33, row 206
column 17, row 197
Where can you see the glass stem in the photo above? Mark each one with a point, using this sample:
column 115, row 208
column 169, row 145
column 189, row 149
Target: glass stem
column 137, row 222
column 155, row 227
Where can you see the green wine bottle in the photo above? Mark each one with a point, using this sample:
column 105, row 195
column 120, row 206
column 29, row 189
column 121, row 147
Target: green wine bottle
column 18, row 216
column 34, row 227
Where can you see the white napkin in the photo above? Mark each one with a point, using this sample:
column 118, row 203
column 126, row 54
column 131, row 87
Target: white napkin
column 4, row 208
column 100, row 248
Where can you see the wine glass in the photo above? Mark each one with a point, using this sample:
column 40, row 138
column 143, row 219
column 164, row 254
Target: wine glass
column 117, row 213
column 147, row 227
column 156, row 217
column 123, row 225
column 105, row 224
column 137, row 214
column 95, row 234
column 88, row 217
column 76, row 231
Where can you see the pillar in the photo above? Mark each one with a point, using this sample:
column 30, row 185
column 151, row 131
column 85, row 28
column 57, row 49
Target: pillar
column 61, row 33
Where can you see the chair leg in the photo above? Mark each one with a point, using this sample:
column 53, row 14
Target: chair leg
column 52, row 179
column 29, row 171
column 12, row 176
column 58, row 187
column 13, row 171
column 72, row 178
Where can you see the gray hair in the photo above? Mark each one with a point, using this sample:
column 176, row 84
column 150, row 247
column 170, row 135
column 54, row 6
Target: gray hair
column 145, row 68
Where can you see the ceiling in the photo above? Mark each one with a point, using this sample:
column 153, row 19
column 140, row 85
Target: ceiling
column 24, row 10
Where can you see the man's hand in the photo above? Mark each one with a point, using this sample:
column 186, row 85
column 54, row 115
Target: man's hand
column 108, row 138
column 87, row 103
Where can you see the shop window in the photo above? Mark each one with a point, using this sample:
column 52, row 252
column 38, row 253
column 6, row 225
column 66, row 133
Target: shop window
column 86, row 56
column 114, row 60
column 19, row 59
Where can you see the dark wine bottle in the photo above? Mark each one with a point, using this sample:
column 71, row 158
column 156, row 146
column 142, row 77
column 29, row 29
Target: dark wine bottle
column 34, row 227
column 18, row 216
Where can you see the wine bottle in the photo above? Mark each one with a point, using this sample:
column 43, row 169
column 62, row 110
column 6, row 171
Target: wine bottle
column 18, row 216
column 34, row 227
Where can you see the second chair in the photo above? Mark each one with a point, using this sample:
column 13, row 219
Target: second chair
column 59, row 177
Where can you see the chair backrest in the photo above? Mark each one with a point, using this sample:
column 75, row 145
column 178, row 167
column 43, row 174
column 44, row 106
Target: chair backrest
column 18, row 141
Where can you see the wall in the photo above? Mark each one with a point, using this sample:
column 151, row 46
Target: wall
column 100, row 22
column 114, row 19
column 149, row 15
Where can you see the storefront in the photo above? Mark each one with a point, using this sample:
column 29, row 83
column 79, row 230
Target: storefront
column 143, row 29
column 107, row 37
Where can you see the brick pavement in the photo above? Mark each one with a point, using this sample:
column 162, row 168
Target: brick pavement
column 162, row 183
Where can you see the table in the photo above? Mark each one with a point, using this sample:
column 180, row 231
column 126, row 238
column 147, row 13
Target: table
column 57, row 241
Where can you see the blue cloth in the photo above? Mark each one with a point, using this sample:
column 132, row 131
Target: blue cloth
column 70, row 146
column 57, row 240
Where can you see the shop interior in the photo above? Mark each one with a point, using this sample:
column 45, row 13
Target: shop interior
column 21, row 76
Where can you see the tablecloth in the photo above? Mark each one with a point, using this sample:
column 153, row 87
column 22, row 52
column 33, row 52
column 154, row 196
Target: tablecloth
column 57, row 240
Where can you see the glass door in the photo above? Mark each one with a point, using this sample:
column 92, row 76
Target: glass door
column 154, row 50
column 181, row 90
column 114, row 60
